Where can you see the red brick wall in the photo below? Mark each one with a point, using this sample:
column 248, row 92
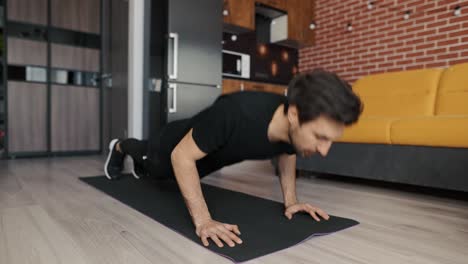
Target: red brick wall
column 382, row 41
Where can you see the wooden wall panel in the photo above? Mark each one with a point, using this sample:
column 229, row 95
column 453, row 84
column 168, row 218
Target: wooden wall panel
column 75, row 118
column 22, row 51
column 27, row 117
column 30, row 11
column 82, row 15
column 76, row 58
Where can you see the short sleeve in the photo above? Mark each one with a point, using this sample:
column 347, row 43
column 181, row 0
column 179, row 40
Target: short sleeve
column 213, row 127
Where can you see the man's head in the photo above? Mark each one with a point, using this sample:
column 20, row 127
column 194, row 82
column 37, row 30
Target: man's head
column 320, row 105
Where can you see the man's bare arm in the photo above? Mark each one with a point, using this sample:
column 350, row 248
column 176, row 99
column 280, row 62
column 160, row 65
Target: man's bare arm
column 287, row 169
column 184, row 157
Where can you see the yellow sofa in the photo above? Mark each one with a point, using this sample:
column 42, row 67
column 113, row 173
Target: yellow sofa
column 413, row 130
column 419, row 107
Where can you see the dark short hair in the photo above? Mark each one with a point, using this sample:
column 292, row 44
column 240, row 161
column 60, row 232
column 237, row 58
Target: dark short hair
column 323, row 93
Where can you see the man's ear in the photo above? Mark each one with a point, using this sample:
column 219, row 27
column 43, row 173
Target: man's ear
column 293, row 115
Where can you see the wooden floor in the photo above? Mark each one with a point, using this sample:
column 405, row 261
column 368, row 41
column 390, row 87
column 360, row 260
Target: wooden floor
column 48, row 216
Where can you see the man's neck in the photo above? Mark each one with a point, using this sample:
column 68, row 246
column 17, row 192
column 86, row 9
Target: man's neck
column 278, row 129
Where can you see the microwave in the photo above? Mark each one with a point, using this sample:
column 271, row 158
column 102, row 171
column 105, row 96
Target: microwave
column 236, row 64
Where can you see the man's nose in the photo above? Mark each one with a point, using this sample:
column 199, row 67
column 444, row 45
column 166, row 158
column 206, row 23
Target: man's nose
column 324, row 148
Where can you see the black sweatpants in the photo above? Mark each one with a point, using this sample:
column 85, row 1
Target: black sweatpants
column 138, row 150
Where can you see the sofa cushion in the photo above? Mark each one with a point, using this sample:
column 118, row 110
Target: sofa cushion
column 441, row 131
column 452, row 98
column 368, row 130
column 399, row 94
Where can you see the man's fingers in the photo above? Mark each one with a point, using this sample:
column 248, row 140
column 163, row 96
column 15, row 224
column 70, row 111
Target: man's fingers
column 233, row 228
column 215, row 238
column 311, row 211
column 232, row 236
column 225, row 237
column 323, row 214
column 229, row 231
column 236, row 229
column 204, row 241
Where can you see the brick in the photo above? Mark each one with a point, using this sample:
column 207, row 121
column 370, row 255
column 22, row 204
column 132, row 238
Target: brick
column 413, row 4
column 386, row 40
column 415, row 41
column 426, row 6
column 462, row 47
column 454, row 62
column 404, row 62
column 458, row 19
column 448, row 28
column 424, row 20
column 447, row 42
column 436, row 65
column 447, row 56
column 412, row 29
column 395, row 33
column 425, row 46
column 436, row 51
column 403, row 37
column 371, row 72
column 464, row 54
column 426, row 59
column 406, row 49
column 395, row 45
column 414, row 67
column 445, row 15
column 397, row 57
column 459, row 33
column 385, row 65
column 360, row 51
column 414, row 54
column 397, row 69
column 437, row 37
column 427, row 33
column 437, row 24
column 377, row 60
column 369, row 67
column 376, row 48
column 388, row 52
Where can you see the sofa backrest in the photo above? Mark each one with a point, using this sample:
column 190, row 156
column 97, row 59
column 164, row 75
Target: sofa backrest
column 452, row 96
column 399, row 94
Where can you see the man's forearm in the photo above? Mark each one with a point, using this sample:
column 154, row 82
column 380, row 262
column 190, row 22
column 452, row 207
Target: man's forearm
column 189, row 183
column 288, row 185
column 287, row 166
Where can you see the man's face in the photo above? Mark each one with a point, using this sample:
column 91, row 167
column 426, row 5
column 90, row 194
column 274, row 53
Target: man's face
column 315, row 136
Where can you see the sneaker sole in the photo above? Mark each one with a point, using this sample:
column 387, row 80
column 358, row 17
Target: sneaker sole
column 111, row 147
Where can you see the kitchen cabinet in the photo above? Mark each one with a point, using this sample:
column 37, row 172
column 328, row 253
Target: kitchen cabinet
column 278, row 4
column 234, row 85
column 300, row 16
column 238, row 15
column 265, row 87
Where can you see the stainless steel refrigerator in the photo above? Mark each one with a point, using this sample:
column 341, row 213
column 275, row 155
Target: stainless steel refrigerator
column 185, row 63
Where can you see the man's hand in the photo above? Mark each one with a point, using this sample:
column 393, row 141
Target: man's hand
column 305, row 207
column 216, row 231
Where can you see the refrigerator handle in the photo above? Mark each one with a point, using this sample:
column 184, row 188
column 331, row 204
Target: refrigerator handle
column 175, row 56
column 173, row 108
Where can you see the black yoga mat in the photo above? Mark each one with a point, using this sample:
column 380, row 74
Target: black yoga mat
column 262, row 223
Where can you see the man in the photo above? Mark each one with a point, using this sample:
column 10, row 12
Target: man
column 241, row 126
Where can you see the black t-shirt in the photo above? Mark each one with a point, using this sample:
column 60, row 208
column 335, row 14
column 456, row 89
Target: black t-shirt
column 234, row 128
